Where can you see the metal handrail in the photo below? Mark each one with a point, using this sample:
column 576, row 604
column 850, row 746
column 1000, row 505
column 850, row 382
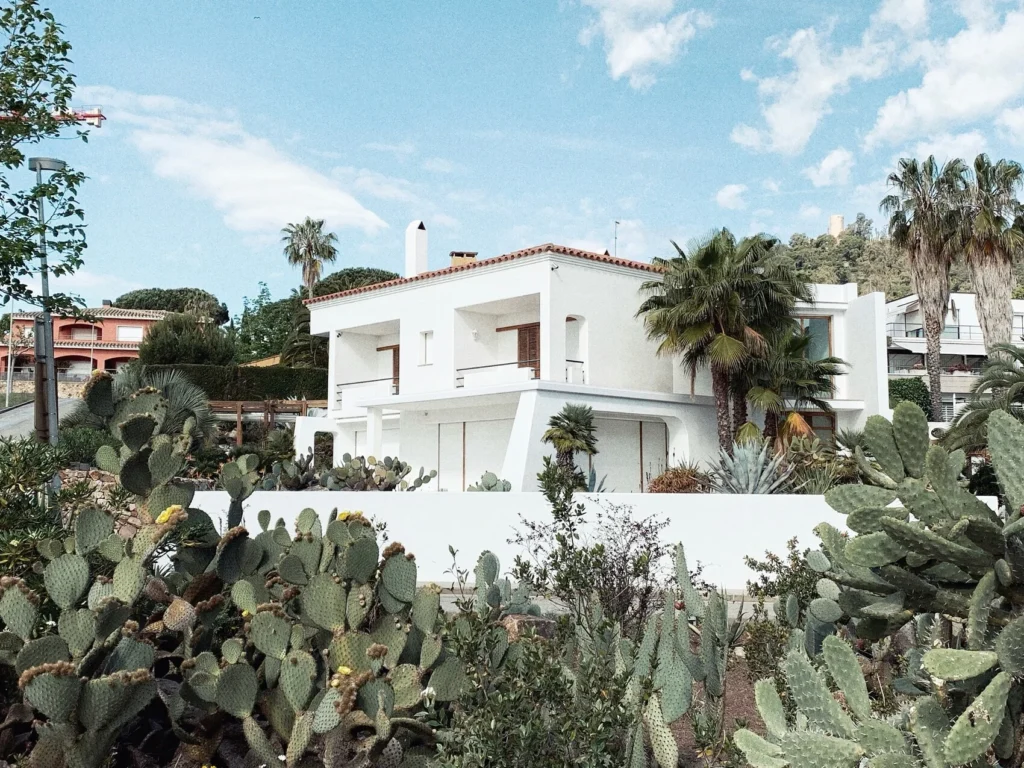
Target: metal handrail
column 520, row 363
column 368, row 381
column 952, row 331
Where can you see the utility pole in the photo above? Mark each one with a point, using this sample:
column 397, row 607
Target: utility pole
column 40, row 164
column 10, row 356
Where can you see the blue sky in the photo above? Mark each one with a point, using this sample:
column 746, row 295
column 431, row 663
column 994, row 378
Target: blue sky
column 508, row 129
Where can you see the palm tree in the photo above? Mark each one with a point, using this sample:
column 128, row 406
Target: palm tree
column 991, row 233
column 716, row 305
column 308, row 245
column 922, row 214
column 571, row 431
column 785, row 379
column 1000, row 387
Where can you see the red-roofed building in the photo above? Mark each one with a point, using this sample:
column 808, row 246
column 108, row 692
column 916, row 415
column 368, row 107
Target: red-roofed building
column 107, row 342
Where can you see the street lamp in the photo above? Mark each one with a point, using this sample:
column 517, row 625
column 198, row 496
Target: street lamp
column 40, row 164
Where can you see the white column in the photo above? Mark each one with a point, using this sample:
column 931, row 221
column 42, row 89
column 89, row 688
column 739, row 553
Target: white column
column 374, row 432
column 678, row 442
column 525, row 452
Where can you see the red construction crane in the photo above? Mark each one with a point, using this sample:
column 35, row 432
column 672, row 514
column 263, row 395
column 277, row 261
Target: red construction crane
column 89, row 115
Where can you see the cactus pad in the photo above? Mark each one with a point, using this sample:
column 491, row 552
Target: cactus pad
column 359, row 602
column 66, row 579
column 298, row 675
column 18, row 612
column 260, row 744
column 129, row 655
column 349, row 650
column 449, row 680
column 129, row 580
column 1010, row 647
column 270, row 634
column 952, row 664
column 108, row 459
column 398, row 575
column 324, row 602
column 92, row 527
column 975, row 730
column 359, row 559
column 55, row 693
column 327, row 717
column 426, row 607
column 78, row 630
column 48, row 649
column 237, row 689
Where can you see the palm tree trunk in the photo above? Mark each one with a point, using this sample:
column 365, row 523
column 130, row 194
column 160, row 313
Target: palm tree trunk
column 771, row 425
column 933, row 328
column 739, row 406
column 993, row 281
column 566, row 461
column 720, row 389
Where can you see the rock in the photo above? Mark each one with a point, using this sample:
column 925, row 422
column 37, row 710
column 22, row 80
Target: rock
column 516, row 624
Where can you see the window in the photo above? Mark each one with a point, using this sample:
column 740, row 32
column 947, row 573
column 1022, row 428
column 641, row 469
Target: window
column 820, row 331
column 529, row 348
column 129, row 333
column 84, row 333
column 823, row 424
column 426, row 347
column 951, row 405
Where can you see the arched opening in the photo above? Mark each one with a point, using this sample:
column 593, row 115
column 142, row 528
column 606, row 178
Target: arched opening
column 73, row 367
column 80, row 332
column 114, row 364
column 576, row 349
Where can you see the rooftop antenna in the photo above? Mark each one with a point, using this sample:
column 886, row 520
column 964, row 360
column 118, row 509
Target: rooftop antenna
column 616, row 246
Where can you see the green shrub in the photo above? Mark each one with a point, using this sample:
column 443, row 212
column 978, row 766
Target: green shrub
column 910, row 389
column 81, row 443
column 235, row 382
column 192, row 300
column 186, row 339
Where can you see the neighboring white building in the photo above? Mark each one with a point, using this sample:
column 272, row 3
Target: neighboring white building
column 963, row 347
column 460, row 369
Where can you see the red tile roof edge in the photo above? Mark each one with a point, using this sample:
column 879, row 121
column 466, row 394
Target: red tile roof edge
column 562, row 250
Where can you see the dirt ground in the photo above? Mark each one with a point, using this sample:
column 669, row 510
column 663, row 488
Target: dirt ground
column 739, row 705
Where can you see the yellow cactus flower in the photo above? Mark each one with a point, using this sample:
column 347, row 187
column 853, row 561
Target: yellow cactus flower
column 246, row 614
column 343, row 670
column 343, row 516
column 164, row 516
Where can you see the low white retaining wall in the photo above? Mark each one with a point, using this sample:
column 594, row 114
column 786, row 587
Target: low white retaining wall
column 716, row 529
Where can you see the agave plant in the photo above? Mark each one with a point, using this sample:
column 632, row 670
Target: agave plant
column 752, row 468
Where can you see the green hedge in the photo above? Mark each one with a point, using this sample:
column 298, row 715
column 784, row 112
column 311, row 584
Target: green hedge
column 235, row 382
column 912, row 389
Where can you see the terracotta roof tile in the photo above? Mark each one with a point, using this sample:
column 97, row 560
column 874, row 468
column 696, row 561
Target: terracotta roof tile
column 107, row 312
column 562, row 250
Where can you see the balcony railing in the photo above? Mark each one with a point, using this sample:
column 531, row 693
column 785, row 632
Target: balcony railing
column 906, row 330
column 29, row 374
column 497, row 373
column 575, row 373
column 385, row 386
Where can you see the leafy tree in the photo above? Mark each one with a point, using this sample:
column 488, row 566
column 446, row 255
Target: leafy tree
column 715, row 307
column 911, row 388
column 571, row 431
column 264, row 325
column 352, row 277
column 301, row 348
column 991, row 233
column 308, row 246
column 186, row 339
column 194, row 301
column 785, row 379
column 922, row 214
column 35, row 85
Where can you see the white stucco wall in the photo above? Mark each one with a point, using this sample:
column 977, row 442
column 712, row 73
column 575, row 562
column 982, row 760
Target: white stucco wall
column 717, row 530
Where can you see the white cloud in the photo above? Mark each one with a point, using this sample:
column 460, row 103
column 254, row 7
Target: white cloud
column 771, row 185
column 438, row 165
column 731, row 197
column 971, row 76
column 403, row 148
column 834, row 168
column 949, row 146
column 257, row 188
column 808, row 211
column 795, row 102
column 641, row 35
column 1011, row 125
column 908, row 15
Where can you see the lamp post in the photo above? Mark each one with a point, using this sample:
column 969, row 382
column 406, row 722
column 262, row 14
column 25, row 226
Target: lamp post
column 40, row 164
column 10, row 356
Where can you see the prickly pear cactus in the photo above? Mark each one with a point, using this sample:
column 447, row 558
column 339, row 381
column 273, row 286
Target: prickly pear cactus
column 369, row 474
column 492, row 483
column 925, row 550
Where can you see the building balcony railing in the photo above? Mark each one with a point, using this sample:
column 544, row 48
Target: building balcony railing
column 29, row 374
column 908, row 330
column 367, row 388
column 497, row 373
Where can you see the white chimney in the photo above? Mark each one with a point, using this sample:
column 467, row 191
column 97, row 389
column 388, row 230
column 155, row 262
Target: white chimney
column 415, row 249
column 836, row 225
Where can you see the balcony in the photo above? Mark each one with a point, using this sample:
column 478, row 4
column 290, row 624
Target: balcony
column 910, row 330
column 352, row 392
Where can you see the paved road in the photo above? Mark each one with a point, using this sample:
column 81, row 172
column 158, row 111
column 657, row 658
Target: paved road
column 18, row 422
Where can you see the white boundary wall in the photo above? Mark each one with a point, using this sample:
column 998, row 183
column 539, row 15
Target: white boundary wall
column 716, row 529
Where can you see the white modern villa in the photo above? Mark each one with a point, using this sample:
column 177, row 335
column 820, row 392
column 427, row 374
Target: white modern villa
column 963, row 347
column 459, row 369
